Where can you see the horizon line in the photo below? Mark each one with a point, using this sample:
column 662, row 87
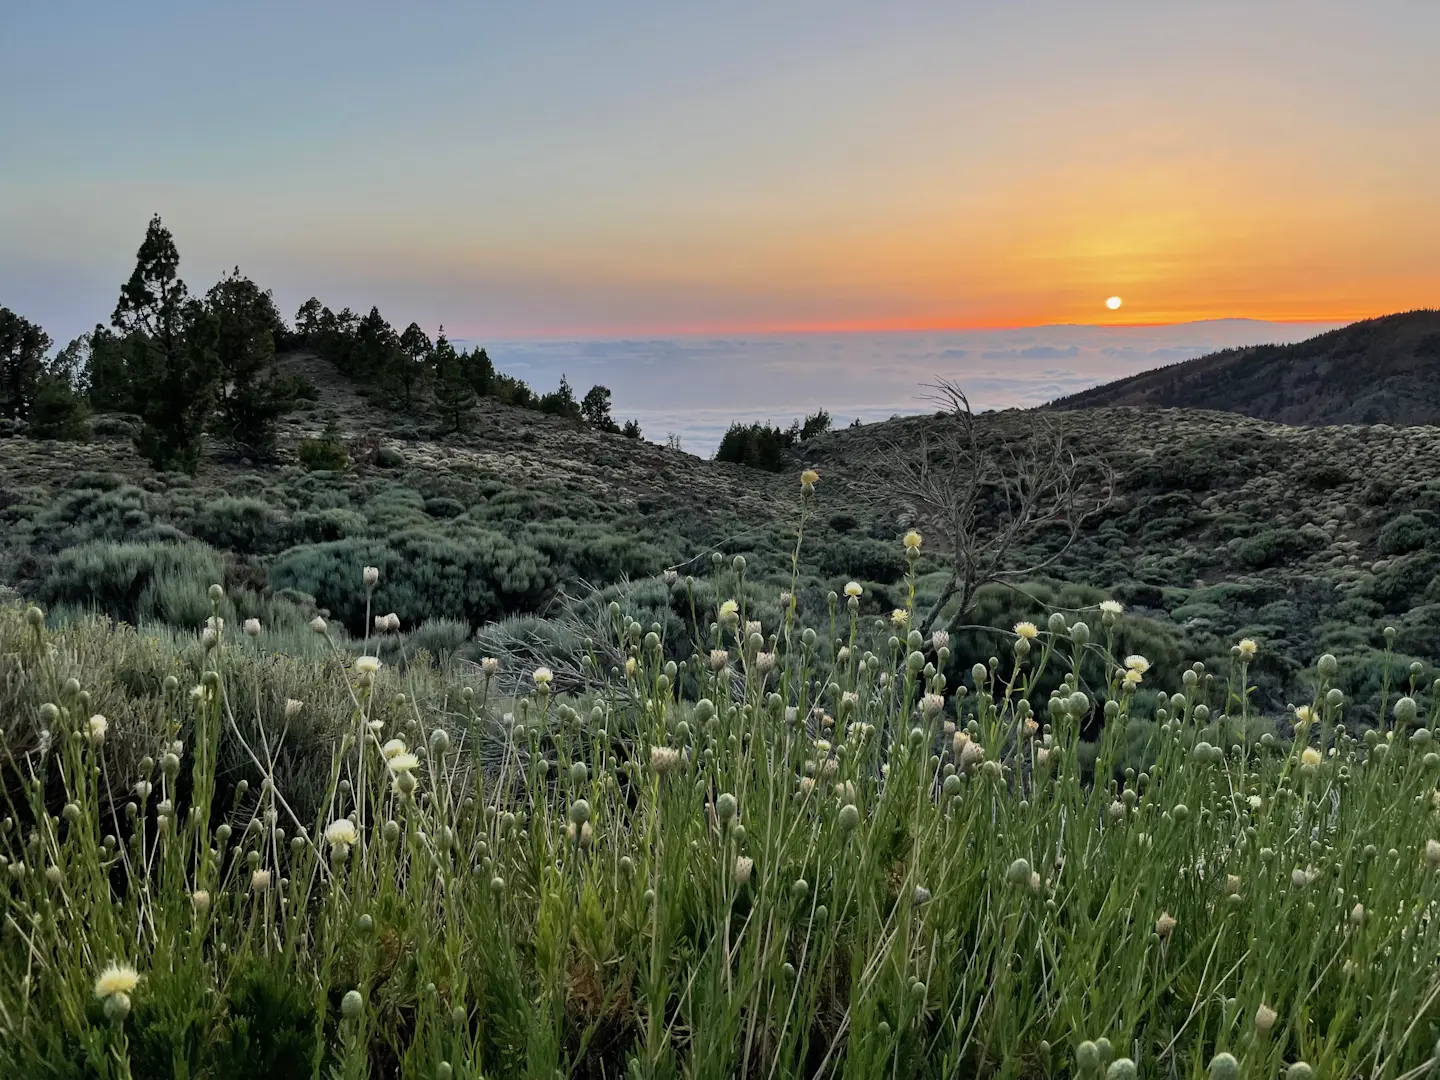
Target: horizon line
column 919, row 327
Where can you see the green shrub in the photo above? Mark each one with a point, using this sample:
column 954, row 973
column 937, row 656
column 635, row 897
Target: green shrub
column 325, row 454
column 1404, row 534
column 422, row 576
column 245, row 525
column 135, row 581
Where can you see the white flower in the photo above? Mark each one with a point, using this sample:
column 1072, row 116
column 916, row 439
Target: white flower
column 260, row 881
column 252, row 627
column 744, row 866
column 664, row 759
column 215, row 622
column 394, row 748
column 1311, row 756
column 912, row 540
column 367, row 665
column 543, row 677
column 293, row 708
column 97, row 727
column 1137, row 663
column 317, row 624
column 729, row 611
column 371, row 576
column 1111, row 607
column 201, row 899
column 1164, row 925
column 1247, row 648
column 341, row 832
column 1026, row 630
column 116, row 979
column 402, row 762
column 853, row 589
column 208, row 638
column 490, row 666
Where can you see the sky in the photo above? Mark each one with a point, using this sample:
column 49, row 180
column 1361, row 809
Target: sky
column 574, row 170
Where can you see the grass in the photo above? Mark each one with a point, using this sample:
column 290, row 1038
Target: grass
column 798, row 851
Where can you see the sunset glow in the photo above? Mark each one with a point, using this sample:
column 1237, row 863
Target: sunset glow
column 642, row 170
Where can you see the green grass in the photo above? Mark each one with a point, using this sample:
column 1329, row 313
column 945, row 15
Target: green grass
column 796, row 852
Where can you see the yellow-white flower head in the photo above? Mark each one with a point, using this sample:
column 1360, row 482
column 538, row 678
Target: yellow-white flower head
column 809, row 478
column 293, row 708
column 853, row 589
column 729, row 611
column 97, row 727
column 1026, row 630
column 543, row 677
column 1311, row 756
column 394, row 748
column 899, row 617
column 116, row 979
column 402, row 762
column 1303, row 715
column 1111, row 607
column 367, row 665
column 912, row 540
column 1248, row 648
column 1137, row 663
column 341, row 831
column 1132, row 678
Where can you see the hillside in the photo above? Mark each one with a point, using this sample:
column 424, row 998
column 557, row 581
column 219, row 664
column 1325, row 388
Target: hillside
column 1384, row 370
column 1306, row 538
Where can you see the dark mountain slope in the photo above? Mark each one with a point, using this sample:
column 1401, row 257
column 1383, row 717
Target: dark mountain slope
column 1380, row 371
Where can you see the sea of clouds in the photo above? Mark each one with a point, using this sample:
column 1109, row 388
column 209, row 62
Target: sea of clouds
column 695, row 387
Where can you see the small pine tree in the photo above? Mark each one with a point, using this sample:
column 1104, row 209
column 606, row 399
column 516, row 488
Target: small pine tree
column 23, row 346
column 253, row 393
column 595, row 409
column 454, row 396
column 58, row 411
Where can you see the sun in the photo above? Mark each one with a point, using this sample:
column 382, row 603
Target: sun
column 1113, row 303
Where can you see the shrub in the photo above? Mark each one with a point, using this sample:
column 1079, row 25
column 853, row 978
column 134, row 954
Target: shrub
column 1404, row 534
column 422, row 576
column 249, row 526
column 135, row 581
column 325, row 454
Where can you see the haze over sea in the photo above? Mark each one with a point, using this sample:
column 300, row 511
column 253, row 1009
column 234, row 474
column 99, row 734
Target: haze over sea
column 696, row 386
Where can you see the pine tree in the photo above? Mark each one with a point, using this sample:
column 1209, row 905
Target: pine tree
column 169, row 346
column 23, row 346
column 454, row 396
column 411, row 364
column 253, row 393
column 595, row 409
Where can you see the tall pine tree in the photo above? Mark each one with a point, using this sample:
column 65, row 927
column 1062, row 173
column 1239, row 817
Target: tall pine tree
column 23, row 346
column 454, row 396
column 169, row 345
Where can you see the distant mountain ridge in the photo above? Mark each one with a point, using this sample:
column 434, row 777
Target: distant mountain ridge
column 1379, row 371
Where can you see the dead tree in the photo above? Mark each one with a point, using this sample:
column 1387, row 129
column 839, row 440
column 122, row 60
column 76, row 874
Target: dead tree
column 977, row 501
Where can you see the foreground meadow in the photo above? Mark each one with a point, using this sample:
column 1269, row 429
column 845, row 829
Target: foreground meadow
column 796, row 853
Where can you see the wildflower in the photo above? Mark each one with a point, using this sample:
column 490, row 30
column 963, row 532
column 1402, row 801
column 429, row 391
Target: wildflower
column 394, row 748
column 367, row 665
column 317, row 624
column 1256, row 802
column 744, row 866
column 719, row 660
column 940, row 640
column 664, row 759
column 371, row 576
column 971, row 754
column 899, row 617
column 730, row 612
column 1299, row 879
column 341, row 833
column 1265, row 1018
column 853, row 589
column 1432, row 852
column 765, row 662
column 260, row 881
column 1131, row 679
column 352, row 1004
column 1164, row 925
column 200, row 899
column 208, row 638
column 786, row 597
column 1247, row 648
column 1357, row 915
column 1138, row 663
column 543, row 677
column 912, row 541
column 403, row 762
column 215, row 622
column 809, row 478
column 1311, row 756
column 1026, row 630
column 1111, row 607
column 1303, row 715
column 931, row 704
column 116, row 979
column 96, row 729
column 293, row 708
column 490, row 667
